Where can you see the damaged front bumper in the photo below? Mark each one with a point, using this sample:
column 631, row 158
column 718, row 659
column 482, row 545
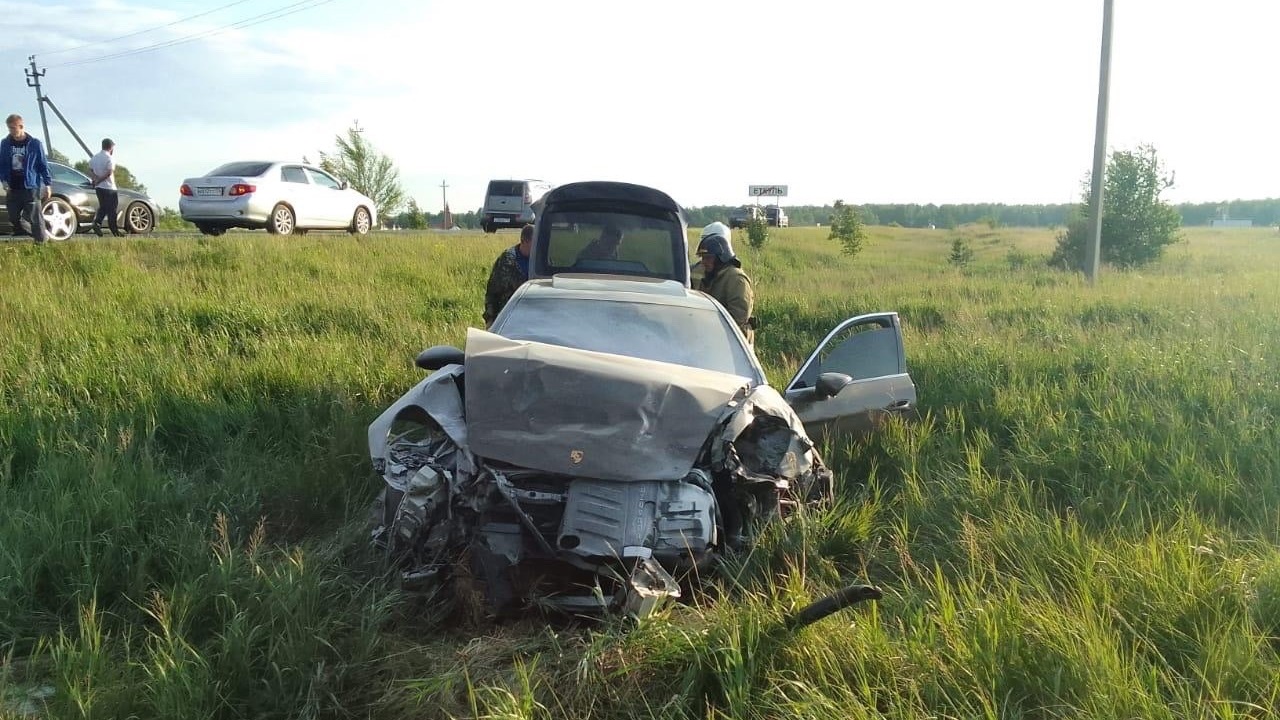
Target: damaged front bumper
column 573, row 544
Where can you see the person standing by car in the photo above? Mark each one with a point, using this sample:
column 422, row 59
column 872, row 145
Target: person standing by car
column 723, row 278
column 24, row 172
column 509, row 272
column 102, row 169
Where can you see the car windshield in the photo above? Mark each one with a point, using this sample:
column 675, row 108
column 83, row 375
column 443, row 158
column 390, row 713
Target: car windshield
column 239, row 169
column 690, row 336
column 614, row 243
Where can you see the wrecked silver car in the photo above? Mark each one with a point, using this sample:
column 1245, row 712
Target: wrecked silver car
column 565, row 474
column 610, row 434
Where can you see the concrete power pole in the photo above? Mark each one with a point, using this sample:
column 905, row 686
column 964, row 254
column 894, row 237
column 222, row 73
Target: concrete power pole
column 1093, row 250
column 33, row 80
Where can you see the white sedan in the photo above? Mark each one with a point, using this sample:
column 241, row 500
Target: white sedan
column 283, row 197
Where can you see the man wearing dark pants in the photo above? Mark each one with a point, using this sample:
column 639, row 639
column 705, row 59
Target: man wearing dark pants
column 24, row 172
column 102, row 167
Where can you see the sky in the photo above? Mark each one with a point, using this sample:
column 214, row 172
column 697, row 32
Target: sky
column 912, row 101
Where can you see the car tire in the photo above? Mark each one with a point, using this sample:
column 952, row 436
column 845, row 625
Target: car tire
column 211, row 230
column 60, row 220
column 138, row 219
column 281, row 221
column 488, row 227
column 361, row 222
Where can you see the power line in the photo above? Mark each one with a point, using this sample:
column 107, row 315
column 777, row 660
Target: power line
column 247, row 22
column 144, row 32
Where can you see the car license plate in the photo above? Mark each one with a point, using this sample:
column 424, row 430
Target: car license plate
column 208, row 191
column 505, row 220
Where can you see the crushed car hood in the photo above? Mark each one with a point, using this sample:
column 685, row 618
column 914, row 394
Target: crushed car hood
column 590, row 414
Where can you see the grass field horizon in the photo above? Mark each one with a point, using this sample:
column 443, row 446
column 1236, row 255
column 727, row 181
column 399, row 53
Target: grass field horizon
column 1083, row 523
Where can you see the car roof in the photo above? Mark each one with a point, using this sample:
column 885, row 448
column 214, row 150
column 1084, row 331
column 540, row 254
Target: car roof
column 313, row 166
column 618, row 288
column 605, row 192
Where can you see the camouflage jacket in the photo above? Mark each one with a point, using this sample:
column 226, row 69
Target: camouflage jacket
column 505, row 277
column 732, row 288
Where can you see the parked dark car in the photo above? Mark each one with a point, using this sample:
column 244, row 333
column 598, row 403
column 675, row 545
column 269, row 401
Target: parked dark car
column 776, row 216
column 740, row 216
column 594, row 465
column 74, row 203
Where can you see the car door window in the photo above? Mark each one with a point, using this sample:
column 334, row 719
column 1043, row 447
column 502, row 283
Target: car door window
column 868, row 349
column 62, row 173
column 293, row 174
column 862, row 350
column 323, row 179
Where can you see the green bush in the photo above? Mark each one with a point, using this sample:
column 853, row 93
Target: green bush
column 757, row 232
column 1136, row 224
column 847, row 228
column 961, row 253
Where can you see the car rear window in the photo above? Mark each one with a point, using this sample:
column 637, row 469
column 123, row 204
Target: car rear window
column 689, row 336
column 239, row 169
column 587, row 242
column 506, row 188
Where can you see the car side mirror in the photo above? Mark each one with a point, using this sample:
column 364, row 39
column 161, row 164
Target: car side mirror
column 438, row 356
column 830, row 384
column 343, row 185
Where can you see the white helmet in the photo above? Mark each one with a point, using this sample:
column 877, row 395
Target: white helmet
column 716, row 241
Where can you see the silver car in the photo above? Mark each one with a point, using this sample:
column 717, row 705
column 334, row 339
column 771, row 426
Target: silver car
column 283, row 197
column 591, row 465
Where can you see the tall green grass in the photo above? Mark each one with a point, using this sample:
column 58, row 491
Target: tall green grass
column 1083, row 523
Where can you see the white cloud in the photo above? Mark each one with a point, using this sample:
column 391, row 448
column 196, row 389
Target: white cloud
column 924, row 100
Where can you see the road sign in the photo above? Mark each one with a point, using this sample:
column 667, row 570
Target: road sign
column 767, row 190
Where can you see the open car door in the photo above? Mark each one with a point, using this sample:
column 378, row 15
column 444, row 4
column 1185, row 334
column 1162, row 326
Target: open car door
column 855, row 379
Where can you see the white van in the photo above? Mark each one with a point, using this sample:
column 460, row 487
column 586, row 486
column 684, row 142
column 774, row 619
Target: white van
column 511, row 203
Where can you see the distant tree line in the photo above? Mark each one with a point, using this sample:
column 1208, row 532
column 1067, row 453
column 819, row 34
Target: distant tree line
column 1261, row 212
column 414, row 217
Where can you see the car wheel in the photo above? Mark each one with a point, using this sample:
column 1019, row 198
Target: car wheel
column 488, row 228
column 213, row 230
column 361, row 223
column 138, row 219
column 60, row 222
column 281, row 220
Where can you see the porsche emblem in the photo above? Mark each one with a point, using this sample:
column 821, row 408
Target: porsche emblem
column 576, row 456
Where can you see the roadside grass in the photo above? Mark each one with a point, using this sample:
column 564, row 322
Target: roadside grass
column 1084, row 521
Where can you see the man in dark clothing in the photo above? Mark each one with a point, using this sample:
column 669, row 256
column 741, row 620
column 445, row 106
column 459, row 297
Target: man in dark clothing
column 604, row 247
column 724, row 280
column 102, row 169
column 23, row 171
column 509, row 272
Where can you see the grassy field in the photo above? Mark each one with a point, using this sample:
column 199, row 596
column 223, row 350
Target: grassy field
column 1084, row 523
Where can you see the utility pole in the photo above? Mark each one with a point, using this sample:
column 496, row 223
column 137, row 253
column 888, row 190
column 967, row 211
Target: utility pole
column 1093, row 250
column 446, row 217
column 33, row 80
